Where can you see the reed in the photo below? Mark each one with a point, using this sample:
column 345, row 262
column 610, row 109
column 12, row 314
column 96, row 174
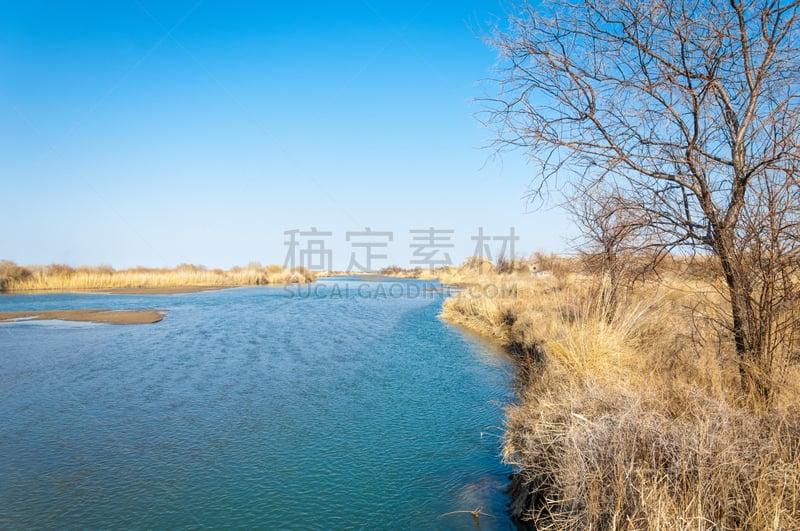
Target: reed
column 59, row 277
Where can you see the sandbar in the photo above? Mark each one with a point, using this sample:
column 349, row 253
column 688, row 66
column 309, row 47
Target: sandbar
column 119, row 317
column 174, row 290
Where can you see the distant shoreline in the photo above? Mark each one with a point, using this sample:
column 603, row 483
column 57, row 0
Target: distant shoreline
column 166, row 290
column 186, row 278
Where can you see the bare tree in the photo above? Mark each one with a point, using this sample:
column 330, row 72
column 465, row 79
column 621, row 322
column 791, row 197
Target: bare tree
column 689, row 110
column 615, row 240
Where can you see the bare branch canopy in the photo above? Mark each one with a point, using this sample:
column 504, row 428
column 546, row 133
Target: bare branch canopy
column 687, row 109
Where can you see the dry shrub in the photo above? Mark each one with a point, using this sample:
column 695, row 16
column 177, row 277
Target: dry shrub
column 59, row 270
column 508, row 266
column 400, row 272
column 11, row 272
column 504, row 265
column 555, row 264
column 477, row 264
column 190, row 268
column 301, row 275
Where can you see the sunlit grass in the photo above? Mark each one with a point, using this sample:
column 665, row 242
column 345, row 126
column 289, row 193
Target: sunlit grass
column 58, row 277
column 635, row 419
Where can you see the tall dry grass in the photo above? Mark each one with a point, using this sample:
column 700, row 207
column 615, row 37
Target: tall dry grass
column 635, row 419
column 59, row 277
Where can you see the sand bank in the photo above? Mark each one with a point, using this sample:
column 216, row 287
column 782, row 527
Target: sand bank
column 97, row 316
column 174, row 290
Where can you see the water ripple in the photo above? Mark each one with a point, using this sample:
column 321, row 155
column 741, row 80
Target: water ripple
column 250, row 408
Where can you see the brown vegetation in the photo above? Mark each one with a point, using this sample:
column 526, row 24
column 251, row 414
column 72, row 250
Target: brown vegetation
column 634, row 418
column 477, row 269
column 661, row 393
column 59, row 277
column 680, row 130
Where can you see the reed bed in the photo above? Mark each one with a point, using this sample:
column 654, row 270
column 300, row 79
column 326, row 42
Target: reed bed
column 58, row 277
column 635, row 419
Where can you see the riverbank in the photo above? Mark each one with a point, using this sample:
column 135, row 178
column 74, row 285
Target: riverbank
column 634, row 418
column 182, row 279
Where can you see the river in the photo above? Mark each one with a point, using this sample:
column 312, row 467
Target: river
column 341, row 405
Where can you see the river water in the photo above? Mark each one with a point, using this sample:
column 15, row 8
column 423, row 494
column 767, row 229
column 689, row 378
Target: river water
column 340, row 405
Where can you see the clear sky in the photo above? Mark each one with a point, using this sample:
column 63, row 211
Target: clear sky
column 143, row 132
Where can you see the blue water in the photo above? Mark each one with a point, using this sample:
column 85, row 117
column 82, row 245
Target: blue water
column 343, row 405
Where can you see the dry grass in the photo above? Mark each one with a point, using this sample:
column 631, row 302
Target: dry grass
column 636, row 419
column 597, row 457
column 58, row 277
column 481, row 271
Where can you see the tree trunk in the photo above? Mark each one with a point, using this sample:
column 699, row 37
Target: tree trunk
column 754, row 375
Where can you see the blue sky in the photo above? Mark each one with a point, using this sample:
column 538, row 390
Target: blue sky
column 138, row 132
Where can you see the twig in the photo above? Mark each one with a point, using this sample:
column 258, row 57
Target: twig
column 476, row 513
